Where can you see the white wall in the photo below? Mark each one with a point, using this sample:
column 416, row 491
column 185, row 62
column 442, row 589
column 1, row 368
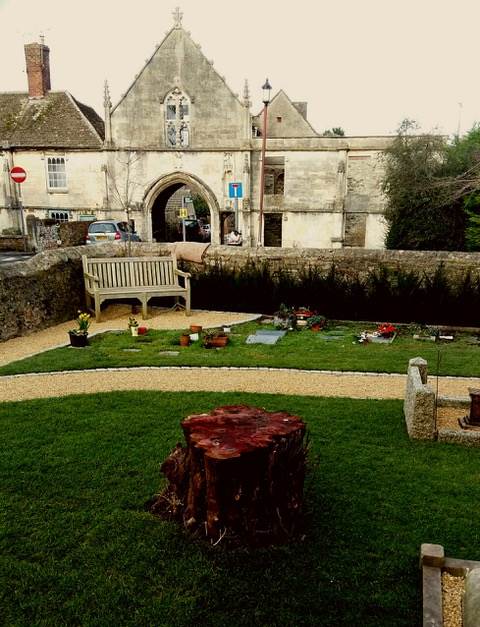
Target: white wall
column 311, row 230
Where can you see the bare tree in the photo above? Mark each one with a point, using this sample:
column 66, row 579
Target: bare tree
column 122, row 185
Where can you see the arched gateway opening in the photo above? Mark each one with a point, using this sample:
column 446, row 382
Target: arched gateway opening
column 181, row 200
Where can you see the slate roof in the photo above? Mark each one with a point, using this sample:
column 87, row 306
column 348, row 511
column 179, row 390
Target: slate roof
column 55, row 121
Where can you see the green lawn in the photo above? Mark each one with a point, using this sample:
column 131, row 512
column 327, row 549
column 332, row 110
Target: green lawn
column 77, row 546
column 334, row 349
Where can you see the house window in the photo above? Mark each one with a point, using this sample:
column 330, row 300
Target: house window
column 59, row 216
column 177, row 119
column 274, row 176
column 56, row 173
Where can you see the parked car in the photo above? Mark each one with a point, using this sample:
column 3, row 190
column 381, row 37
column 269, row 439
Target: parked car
column 110, row 231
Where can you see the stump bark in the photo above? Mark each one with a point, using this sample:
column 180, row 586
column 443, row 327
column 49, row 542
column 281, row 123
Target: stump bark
column 240, row 476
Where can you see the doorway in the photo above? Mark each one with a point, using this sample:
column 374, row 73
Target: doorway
column 272, row 230
column 178, row 213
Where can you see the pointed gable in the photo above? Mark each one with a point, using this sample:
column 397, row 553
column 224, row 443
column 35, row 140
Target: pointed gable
column 217, row 118
column 285, row 118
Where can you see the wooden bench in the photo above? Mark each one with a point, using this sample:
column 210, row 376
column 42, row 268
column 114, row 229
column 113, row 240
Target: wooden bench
column 133, row 277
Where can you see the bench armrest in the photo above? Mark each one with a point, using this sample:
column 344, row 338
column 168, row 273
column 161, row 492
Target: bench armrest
column 186, row 275
column 92, row 276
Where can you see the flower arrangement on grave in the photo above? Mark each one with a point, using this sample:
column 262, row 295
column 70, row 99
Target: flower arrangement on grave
column 132, row 322
column 133, row 326
column 215, row 338
column 285, row 318
column 386, row 330
column 83, row 322
column 316, row 322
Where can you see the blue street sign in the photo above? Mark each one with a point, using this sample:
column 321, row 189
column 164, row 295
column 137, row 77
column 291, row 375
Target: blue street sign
column 235, row 190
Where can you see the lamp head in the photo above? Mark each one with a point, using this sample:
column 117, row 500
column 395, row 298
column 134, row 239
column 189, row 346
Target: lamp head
column 267, row 88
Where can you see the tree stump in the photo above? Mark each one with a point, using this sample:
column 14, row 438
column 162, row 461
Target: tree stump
column 240, row 477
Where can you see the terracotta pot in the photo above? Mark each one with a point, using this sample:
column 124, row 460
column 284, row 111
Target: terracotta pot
column 216, row 342
column 196, row 328
column 316, row 327
column 79, row 341
column 184, row 340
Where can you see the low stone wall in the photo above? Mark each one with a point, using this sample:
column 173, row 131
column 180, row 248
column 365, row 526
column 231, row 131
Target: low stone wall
column 48, row 288
column 349, row 261
column 419, row 403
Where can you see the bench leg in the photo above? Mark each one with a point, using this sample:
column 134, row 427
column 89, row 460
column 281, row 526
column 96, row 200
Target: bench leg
column 144, row 307
column 97, row 309
column 187, row 304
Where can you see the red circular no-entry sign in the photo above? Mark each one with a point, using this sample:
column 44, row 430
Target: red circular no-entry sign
column 18, row 174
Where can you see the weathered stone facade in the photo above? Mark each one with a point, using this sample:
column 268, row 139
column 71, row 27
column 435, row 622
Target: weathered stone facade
column 180, row 124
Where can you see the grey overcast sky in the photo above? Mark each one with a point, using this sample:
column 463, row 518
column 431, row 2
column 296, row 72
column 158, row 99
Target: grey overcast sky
column 364, row 65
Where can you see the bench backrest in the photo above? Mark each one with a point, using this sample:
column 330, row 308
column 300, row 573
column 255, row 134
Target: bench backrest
column 132, row 271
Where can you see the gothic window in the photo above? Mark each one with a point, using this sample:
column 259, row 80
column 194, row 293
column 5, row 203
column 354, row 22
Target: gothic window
column 59, row 216
column 177, row 117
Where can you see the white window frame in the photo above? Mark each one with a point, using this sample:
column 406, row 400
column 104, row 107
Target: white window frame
column 55, row 160
column 62, row 216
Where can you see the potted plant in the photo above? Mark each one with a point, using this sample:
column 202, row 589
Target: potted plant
column 215, row 338
column 285, row 318
column 316, row 322
column 184, row 339
column 133, row 326
column 79, row 336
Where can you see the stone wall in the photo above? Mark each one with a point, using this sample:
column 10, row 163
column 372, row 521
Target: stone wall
column 349, row 261
column 48, row 288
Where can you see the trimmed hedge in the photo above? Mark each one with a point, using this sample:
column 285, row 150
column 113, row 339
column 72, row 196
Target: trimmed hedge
column 397, row 295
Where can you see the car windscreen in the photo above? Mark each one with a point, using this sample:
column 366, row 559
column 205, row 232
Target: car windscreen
column 104, row 227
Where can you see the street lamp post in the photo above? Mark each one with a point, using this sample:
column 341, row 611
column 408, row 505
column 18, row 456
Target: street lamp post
column 266, row 100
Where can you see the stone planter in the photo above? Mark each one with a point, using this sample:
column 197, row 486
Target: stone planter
column 78, row 341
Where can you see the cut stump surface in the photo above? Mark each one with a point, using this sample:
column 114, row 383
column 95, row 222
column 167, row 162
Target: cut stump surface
column 240, row 476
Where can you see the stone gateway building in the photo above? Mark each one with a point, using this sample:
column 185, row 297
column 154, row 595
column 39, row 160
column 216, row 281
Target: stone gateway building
column 177, row 135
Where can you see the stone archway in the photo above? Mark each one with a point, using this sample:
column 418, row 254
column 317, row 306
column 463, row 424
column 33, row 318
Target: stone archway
column 173, row 182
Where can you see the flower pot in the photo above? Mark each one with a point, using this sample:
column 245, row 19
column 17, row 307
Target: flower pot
column 316, row 327
column 78, row 341
column 184, row 340
column 142, row 330
column 196, row 328
column 134, row 331
column 216, row 342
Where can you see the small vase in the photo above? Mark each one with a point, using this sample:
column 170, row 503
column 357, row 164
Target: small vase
column 78, row 341
column 134, row 331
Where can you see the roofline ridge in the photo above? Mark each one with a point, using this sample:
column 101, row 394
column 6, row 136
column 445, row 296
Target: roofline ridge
column 148, row 61
column 75, row 104
column 282, row 91
column 157, row 48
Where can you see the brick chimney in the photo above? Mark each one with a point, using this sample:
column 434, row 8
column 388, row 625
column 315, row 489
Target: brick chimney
column 37, row 57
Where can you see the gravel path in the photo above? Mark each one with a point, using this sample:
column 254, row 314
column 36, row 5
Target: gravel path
column 264, row 380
